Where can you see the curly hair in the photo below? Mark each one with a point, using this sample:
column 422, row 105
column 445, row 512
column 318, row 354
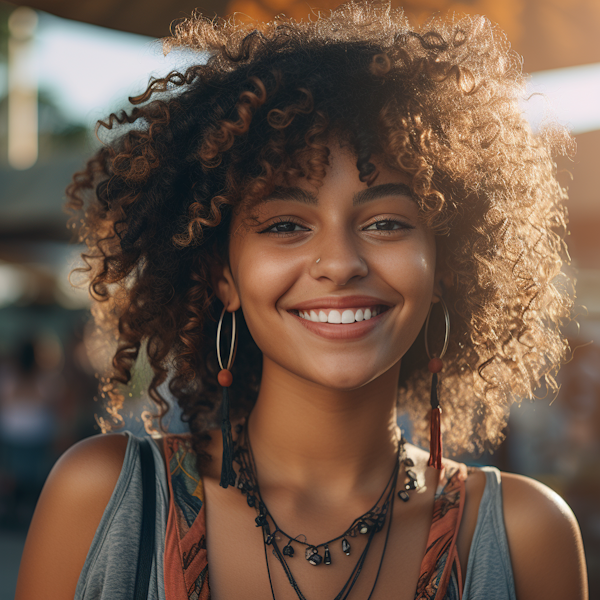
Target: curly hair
column 439, row 103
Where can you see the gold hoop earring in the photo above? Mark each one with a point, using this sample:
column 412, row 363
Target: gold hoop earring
column 225, row 379
column 434, row 366
column 233, row 348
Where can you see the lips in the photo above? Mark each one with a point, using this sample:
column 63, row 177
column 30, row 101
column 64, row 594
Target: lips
column 341, row 317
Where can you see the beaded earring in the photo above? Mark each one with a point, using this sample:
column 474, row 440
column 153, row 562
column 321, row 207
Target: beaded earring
column 435, row 366
column 225, row 379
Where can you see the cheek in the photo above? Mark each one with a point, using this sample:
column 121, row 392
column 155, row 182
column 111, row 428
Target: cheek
column 418, row 292
column 419, row 276
column 411, row 270
column 411, row 273
column 263, row 278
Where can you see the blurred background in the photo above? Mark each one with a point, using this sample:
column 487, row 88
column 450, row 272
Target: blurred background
column 64, row 64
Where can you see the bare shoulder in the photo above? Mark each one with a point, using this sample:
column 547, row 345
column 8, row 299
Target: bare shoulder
column 67, row 515
column 544, row 541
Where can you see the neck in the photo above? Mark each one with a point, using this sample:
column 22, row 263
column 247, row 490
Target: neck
column 305, row 436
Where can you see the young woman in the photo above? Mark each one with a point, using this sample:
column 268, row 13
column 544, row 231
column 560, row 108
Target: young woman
column 363, row 199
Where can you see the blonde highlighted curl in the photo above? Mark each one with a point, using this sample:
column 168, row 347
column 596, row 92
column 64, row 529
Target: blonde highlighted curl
column 439, row 103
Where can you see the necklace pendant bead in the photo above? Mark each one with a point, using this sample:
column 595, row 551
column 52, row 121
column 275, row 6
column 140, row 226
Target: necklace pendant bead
column 309, row 552
column 269, row 539
column 261, row 520
column 363, row 528
column 288, row 549
column 411, row 475
column 346, row 547
column 251, row 500
column 411, row 485
column 409, row 462
column 403, row 496
column 327, row 556
column 316, row 559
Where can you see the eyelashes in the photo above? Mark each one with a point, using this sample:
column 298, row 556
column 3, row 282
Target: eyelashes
column 284, row 226
column 401, row 225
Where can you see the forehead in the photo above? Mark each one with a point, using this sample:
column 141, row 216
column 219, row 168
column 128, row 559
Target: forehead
column 297, row 193
column 342, row 174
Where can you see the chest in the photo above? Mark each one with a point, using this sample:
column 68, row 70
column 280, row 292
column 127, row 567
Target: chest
column 214, row 551
column 238, row 561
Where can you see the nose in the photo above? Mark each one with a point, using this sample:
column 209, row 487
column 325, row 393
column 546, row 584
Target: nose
column 340, row 259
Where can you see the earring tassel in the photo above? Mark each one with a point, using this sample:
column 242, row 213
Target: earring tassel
column 228, row 476
column 435, row 428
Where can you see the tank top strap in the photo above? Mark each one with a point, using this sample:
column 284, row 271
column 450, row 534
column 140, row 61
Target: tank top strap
column 440, row 577
column 185, row 557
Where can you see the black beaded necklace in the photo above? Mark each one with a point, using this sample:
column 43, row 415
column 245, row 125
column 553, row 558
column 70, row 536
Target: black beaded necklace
column 369, row 523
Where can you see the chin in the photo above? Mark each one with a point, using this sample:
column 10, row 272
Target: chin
column 344, row 380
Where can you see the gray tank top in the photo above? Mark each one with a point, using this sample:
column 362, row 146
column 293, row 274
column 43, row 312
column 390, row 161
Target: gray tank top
column 111, row 563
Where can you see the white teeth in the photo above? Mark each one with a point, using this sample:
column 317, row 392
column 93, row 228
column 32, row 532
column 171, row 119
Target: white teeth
column 348, row 316
column 334, row 317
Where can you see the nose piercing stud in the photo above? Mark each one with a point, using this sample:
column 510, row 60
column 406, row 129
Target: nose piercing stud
column 318, row 259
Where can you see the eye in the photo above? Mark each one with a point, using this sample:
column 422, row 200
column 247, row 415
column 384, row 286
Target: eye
column 388, row 225
column 283, row 226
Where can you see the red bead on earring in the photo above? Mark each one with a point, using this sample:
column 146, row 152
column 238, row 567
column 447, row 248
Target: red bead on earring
column 225, row 378
column 435, row 365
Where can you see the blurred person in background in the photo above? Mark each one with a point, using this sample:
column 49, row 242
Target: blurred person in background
column 369, row 204
column 30, row 389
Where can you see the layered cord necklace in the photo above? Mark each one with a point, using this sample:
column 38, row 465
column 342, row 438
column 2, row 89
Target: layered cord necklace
column 368, row 524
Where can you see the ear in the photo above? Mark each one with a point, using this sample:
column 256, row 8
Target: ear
column 442, row 282
column 225, row 287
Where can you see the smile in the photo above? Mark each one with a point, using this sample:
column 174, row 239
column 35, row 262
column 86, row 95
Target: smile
column 340, row 317
column 338, row 325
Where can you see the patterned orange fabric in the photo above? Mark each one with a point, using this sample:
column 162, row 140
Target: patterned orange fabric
column 440, row 569
column 185, row 558
column 185, row 561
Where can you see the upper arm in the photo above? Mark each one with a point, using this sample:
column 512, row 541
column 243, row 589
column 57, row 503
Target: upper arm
column 544, row 541
column 67, row 515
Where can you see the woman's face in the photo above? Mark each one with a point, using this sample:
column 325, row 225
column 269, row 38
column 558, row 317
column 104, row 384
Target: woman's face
column 308, row 258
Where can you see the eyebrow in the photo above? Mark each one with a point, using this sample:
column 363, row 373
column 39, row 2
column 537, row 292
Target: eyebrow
column 381, row 191
column 296, row 194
